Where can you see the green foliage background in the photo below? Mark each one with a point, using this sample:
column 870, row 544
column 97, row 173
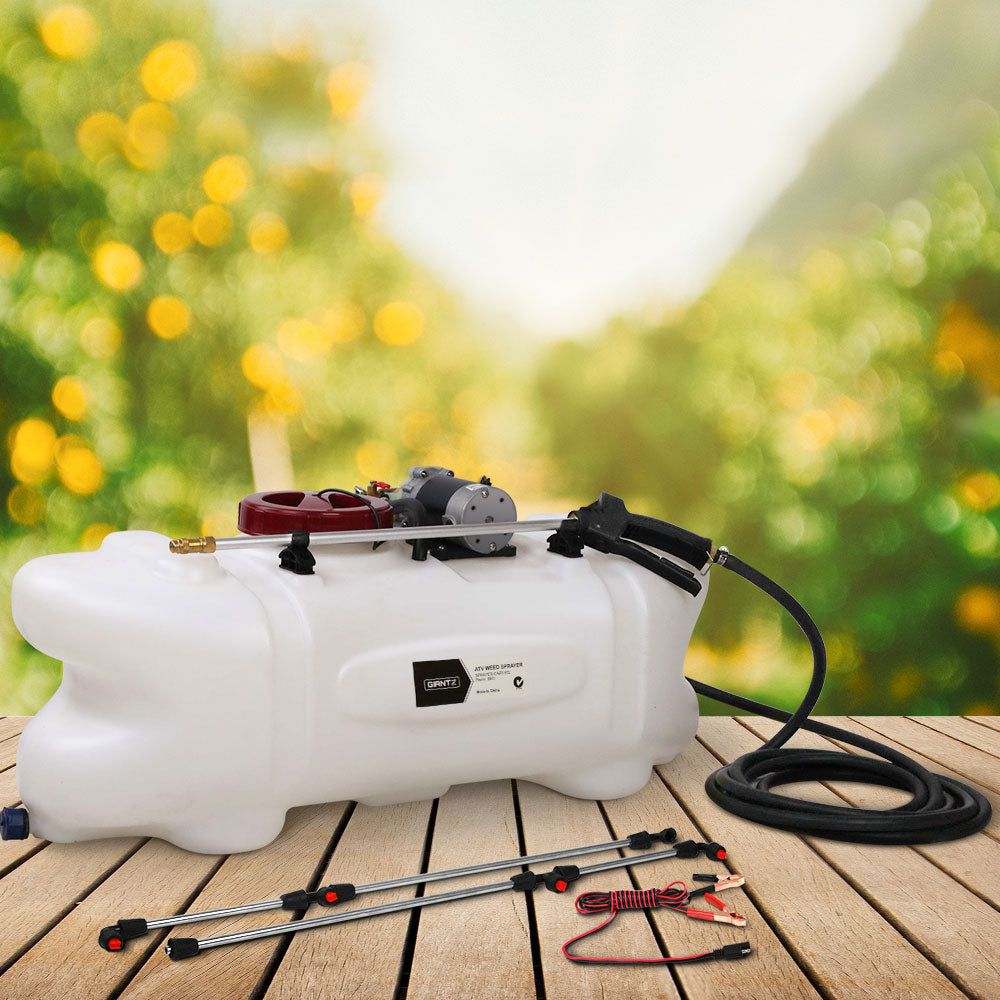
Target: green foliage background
column 834, row 419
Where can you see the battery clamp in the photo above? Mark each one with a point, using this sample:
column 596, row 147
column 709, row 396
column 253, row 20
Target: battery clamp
column 558, row 659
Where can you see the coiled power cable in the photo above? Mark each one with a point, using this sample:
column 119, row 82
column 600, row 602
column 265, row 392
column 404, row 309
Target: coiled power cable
column 941, row 808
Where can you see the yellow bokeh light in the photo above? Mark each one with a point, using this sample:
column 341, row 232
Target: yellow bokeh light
column 100, row 135
column 978, row 610
column 25, row 505
column 100, row 337
column 93, row 535
column 118, row 266
column 171, row 70
column 814, row 430
column 211, row 225
column 795, row 389
column 949, row 364
column 366, row 192
column 69, row 31
column 376, row 460
column 70, row 397
column 267, row 232
column 974, row 342
column 303, row 340
column 172, row 232
column 79, row 468
column 227, row 178
column 418, row 429
column 282, row 399
column 399, row 323
column 346, row 86
column 824, row 271
column 219, row 523
column 33, row 450
column 262, row 366
column 150, row 128
column 343, row 322
column 168, row 316
column 10, row 254
column 981, row 490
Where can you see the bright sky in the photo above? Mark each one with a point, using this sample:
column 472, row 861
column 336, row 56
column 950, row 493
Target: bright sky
column 562, row 161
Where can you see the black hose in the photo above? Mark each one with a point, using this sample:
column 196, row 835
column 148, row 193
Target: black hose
column 941, row 808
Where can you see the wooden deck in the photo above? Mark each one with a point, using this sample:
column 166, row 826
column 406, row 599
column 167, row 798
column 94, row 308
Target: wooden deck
column 826, row 920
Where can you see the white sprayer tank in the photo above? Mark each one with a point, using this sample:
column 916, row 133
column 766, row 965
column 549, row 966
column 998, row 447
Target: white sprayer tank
column 203, row 696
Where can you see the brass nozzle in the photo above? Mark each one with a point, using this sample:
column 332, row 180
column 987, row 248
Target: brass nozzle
column 185, row 546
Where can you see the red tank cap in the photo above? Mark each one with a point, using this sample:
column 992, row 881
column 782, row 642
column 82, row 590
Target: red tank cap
column 283, row 511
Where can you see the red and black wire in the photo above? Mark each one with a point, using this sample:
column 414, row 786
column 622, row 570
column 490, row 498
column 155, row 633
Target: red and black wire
column 675, row 897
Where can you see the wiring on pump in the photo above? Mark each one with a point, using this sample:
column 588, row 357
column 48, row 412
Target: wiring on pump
column 941, row 808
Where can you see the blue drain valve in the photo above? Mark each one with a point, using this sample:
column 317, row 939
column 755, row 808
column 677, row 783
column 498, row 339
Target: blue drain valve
column 13, row 823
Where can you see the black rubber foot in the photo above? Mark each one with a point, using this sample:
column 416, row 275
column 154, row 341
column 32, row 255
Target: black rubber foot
column 13, row 823
column 178, row 948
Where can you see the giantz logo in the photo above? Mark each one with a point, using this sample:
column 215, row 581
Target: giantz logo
column 440, row 683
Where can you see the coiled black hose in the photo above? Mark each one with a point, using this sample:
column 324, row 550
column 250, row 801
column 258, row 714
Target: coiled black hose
column 941, row 808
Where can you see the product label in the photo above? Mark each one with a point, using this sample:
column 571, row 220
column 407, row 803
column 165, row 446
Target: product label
column 453, row 682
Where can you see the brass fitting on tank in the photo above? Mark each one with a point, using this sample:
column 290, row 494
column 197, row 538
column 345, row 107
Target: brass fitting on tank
column 185, row 546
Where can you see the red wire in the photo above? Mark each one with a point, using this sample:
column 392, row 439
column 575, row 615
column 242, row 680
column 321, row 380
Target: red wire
column 600, row 902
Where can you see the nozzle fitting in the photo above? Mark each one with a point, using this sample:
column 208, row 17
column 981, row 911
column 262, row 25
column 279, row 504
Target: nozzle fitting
column 187, row 546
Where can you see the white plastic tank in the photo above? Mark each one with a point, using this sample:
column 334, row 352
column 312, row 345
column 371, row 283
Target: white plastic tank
column 203, row 696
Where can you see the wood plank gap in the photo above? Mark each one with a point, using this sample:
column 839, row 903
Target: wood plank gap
column 890, row 919
column 63, row 913
column 648, row 914
column 280, row 950
column 916, row 848
column 160, row 935
column 919, row 720
column 410, row 941
column 529, row 901
column 758, row 903
column 14, row 865
column 986, row 721
column 930, row 755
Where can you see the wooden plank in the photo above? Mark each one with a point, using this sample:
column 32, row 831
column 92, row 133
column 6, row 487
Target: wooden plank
column 552, row 821
column 8, row 753
column 12, row 726
column 819, row 915
column 67, row 962
column 39, row 891
column 231, row 973
column 478, row 947
column 990, row 721
column 12, row 851
column 957, row 930
column 359, row 959
column 980, row 737
column 968, row 761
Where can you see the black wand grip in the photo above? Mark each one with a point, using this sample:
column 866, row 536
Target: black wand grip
column 643, row 840
column 115, row 937
column 178, row 948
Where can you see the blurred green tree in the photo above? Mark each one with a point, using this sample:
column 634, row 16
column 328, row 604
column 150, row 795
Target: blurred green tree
column 191, row 283
column 837, row 423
